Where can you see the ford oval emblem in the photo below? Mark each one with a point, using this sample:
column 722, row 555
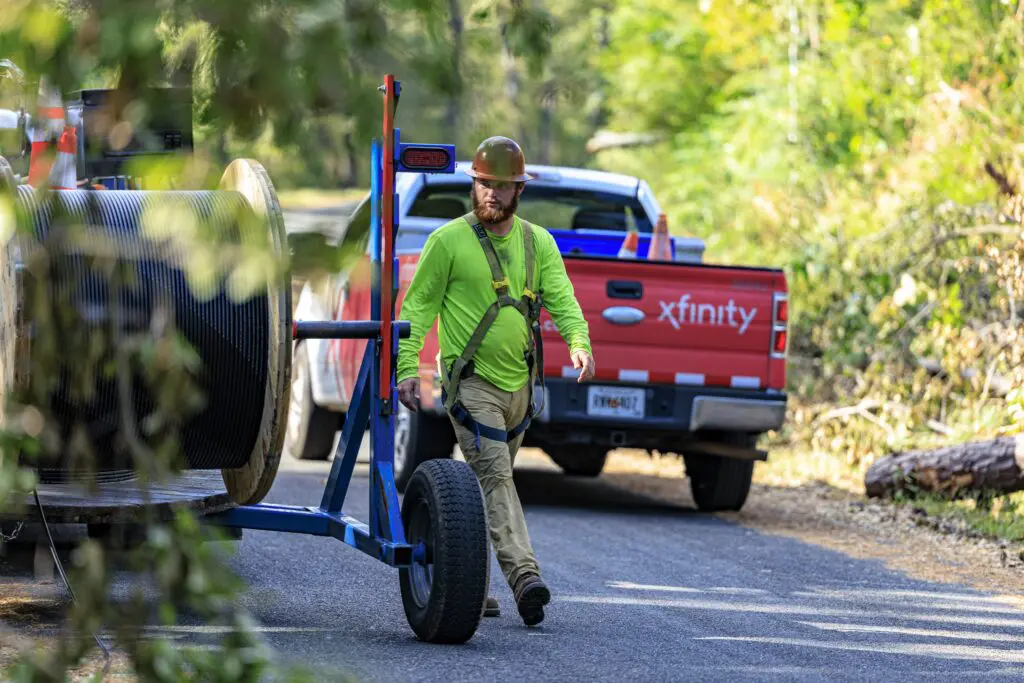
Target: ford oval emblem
column 623, row 315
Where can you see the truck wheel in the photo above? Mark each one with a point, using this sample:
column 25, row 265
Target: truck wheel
column 720, row 484
column 580, row 461
column 419, row 437
column 311, row 429
column 445, row 586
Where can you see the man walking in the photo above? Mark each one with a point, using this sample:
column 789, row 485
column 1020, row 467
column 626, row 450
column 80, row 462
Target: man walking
column 487, row 275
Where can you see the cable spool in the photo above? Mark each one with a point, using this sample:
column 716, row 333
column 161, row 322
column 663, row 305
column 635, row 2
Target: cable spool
column 244, row 346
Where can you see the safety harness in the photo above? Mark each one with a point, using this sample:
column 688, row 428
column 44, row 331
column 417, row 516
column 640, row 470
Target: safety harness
column 529, row 306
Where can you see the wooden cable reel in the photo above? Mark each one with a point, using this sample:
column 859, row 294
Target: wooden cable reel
column 244, row 346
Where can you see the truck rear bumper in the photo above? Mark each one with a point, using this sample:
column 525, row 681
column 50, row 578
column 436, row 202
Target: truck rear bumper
column 669, row 413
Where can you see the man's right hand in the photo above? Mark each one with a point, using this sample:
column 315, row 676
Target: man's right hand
column 409, row 394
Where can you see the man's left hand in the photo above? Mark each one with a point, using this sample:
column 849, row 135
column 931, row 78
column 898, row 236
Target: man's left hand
column 582, row 359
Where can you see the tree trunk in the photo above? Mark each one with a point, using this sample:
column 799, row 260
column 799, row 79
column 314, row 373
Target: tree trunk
column 353, row 163
column 600, row 114
column 980, row 466
column 451, row 118
column 221, row 148
column 547, row 100
column 511, row 83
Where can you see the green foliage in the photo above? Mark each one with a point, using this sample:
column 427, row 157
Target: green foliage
column 847, row 142
column 999, row 519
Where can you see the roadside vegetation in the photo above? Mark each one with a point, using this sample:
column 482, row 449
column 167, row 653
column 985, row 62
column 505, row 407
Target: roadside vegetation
column 873, row 150
column 870, row 149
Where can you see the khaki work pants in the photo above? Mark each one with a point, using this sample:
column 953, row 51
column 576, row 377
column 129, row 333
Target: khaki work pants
column 492, row 463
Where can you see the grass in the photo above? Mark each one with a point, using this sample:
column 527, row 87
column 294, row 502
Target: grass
column 1002, row 519
column 318, row 198
column 792, row 466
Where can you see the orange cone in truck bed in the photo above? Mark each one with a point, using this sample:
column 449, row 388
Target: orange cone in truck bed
column 64, row 175
column 661, row 243
column 629, row 245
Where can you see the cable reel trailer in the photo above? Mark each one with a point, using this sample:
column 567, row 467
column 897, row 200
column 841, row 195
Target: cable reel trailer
column 437, row 537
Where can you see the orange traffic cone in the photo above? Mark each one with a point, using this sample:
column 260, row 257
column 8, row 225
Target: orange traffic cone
column 39, row 161
column 661, row 243
column 629, row 245
column 46, row 126
column 65, row 171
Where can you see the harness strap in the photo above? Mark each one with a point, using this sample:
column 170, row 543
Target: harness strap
column 528, row 255
column 532, row 300
column 464, row 418
column 459, row 366
column 528, row 306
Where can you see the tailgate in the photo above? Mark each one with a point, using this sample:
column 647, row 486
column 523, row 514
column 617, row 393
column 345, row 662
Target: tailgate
column 672, row 323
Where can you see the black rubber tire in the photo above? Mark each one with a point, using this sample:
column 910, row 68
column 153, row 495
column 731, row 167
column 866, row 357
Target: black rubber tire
column 721, row 484
column 419, row 437
column 580, row 461
column 444, row 508
column 311, row 437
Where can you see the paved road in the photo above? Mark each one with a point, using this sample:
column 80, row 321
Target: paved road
column 643, row 591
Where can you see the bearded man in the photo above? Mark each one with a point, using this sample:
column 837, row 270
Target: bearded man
column 487, row 274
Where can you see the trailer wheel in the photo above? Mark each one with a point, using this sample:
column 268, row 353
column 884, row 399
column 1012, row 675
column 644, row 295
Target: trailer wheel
column 419, row 437
column 443, row 593
column 720, row 484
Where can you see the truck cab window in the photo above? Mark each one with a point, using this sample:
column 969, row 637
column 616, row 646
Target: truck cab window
column 555, row 208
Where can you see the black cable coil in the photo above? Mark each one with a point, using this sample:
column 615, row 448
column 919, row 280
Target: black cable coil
column 231, row 337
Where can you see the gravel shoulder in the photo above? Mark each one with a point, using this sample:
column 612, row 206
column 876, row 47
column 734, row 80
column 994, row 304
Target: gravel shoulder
column 903, row 537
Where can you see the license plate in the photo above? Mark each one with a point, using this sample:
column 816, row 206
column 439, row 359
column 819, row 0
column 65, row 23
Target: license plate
column 616, row 402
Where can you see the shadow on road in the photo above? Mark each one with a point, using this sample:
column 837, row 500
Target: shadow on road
column 554, row 489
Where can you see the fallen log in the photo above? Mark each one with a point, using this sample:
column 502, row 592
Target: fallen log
column 995, row 466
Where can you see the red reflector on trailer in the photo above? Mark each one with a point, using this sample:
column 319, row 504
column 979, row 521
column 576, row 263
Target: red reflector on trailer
column 425, row 158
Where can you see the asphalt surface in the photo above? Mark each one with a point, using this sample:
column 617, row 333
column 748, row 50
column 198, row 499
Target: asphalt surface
column 642, row 591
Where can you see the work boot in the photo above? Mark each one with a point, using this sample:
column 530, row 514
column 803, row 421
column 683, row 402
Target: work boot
column 491, row 607
column 531, row 596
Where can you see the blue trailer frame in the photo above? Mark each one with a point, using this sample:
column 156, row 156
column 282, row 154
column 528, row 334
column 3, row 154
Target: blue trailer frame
column 437, row 537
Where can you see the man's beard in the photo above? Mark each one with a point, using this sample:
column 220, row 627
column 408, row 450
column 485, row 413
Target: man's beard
column 489, row 215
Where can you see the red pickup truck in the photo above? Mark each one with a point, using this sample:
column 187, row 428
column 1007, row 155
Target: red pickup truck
column 691, row 357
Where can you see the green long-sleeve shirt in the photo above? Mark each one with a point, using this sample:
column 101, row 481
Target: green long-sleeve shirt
column 453, row 279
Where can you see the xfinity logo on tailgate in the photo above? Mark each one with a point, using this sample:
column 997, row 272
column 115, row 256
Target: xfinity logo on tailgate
column 678, row 313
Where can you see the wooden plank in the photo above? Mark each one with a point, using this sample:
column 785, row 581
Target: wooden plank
column 202, row 491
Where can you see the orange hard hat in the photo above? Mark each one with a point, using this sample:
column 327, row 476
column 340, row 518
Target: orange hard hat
column 499, row 158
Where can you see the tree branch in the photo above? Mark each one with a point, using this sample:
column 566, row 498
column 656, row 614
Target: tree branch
column 1004, row 183
column 939, row 240
column 858, row 409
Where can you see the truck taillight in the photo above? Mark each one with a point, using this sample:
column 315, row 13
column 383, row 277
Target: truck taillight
column 781, row 310
column 780, row 320
column 779, row 345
